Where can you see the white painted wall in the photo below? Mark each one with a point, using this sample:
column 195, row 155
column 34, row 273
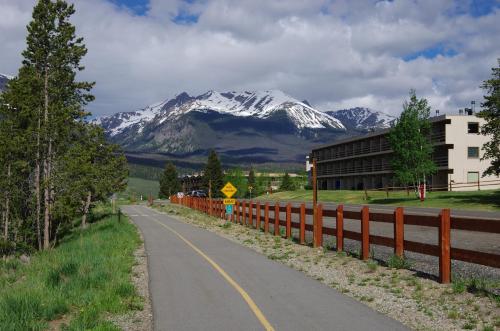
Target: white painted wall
column 457, row 134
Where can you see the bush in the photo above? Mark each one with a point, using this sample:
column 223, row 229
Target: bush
column 397, row 262
column 6, row 247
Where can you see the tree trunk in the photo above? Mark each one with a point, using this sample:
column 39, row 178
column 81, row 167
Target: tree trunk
column 7, row 206
column 37, row 184
column 86, row 209
column 46, row 166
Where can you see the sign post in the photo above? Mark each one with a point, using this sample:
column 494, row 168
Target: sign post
column 229, row 190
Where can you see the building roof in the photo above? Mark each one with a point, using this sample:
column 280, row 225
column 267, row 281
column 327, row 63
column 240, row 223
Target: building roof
column 382, row 132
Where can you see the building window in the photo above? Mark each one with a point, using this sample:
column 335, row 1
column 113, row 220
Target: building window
column 473, row 152
column 473, row 127
column 472, row 177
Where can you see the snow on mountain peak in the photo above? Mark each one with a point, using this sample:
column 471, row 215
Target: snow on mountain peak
column 257, row 104
column 260, row 104
column 361, row 118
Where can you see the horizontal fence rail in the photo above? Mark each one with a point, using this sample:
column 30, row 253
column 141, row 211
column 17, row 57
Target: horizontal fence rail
column 260, row 215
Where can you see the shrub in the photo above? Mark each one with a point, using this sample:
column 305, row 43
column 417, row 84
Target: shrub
column 397, row 262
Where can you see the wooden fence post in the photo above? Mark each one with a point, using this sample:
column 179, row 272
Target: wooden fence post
column 277, row 219
column 340, row 228
column 257, row 221
column 365, row 233
column 237, row 212
column 302, row 230
column 244, row 211
column 266, row 217
column 444, row 247
column 319, row 224
column 399, row 231
column 288, row 220
column 250, row 214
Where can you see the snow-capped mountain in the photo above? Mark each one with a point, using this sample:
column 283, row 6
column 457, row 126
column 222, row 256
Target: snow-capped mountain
column 4, row 79
column 363, row 119
column 258, row 105
column 261, row 126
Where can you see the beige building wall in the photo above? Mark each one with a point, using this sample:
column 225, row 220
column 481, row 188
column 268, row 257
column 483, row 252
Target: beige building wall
column 466, row 165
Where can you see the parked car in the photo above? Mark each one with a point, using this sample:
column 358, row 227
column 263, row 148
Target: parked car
column 198, row 194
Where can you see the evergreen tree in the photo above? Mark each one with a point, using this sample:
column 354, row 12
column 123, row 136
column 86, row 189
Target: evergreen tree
column 409, row 138
column 54, row 54
column 169, row 181
column 94, row 169
column 491, row 113
column 53, row 165
column 213, row 174
column 287, row 183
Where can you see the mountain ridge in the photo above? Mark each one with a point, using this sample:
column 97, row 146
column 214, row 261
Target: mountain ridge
column 243, row 127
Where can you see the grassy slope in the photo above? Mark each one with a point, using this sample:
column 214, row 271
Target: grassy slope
column 80, row 282
column 482, row 200
column 140, row 186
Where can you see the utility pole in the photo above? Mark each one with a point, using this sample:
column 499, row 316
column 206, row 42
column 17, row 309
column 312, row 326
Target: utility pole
column 315, row 202
column 210, row 196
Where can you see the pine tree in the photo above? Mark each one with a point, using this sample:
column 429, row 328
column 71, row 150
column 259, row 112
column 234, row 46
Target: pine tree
column 213, row 175
column 53, row 54
column 94, row 169
column 287, row 183
column 409, row 138
column 491, row 113
column 169, row 181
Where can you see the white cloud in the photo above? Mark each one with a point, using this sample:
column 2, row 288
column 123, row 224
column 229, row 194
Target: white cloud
column 336, row 54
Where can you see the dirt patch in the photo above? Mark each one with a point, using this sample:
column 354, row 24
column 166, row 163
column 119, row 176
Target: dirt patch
column 419, row 303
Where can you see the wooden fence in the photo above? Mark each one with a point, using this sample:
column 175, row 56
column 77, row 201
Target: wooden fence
column 261, row 215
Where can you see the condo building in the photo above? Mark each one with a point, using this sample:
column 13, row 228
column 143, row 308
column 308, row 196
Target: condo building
column 365, row 161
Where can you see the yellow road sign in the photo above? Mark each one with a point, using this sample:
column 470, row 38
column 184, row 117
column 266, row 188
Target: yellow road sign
column 229, row 190
column 229, row 201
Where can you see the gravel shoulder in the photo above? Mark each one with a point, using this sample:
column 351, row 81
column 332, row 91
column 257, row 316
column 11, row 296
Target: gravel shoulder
column 419, row 303
column 139, row 320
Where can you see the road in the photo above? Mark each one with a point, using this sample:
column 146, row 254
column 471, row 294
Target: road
column 479, row 241
column 201, row 281
column 494, row 215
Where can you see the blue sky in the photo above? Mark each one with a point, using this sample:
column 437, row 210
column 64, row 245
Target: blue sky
column 336, row 54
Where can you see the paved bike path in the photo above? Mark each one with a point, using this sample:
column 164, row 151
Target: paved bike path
column 201, row 281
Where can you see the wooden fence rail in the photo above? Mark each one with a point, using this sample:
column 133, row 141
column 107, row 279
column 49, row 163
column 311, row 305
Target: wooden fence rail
column 251, row 214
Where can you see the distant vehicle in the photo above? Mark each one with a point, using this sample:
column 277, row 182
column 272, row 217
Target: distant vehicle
column 198, row 194
column 180, row 195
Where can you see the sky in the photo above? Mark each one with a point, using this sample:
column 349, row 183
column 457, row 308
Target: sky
column 336, row 54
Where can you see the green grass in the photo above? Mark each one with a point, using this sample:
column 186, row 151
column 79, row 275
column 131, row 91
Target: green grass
column 140, row 186
column 481, row 200
column 83, row 280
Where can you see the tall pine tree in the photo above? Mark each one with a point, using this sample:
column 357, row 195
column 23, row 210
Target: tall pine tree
column 491, row 113
column 54, row 54
column 53, row 165
column 169, row 181
column 213, row 176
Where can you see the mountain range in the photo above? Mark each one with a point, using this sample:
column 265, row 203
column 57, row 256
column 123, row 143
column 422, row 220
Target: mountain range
column 4, row 79
column 257, row 127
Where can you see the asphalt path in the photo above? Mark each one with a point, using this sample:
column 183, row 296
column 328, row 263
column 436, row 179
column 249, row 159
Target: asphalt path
column 493, row 215
column 201, row 281
column 479, row 241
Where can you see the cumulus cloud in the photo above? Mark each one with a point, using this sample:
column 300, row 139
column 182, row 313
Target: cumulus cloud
column 336, row 54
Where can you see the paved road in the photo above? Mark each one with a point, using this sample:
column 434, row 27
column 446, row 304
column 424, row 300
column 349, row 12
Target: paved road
column 200, row 281
column 495, row 215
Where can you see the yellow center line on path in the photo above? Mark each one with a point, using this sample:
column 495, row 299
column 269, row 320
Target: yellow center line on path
column 255, row 309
